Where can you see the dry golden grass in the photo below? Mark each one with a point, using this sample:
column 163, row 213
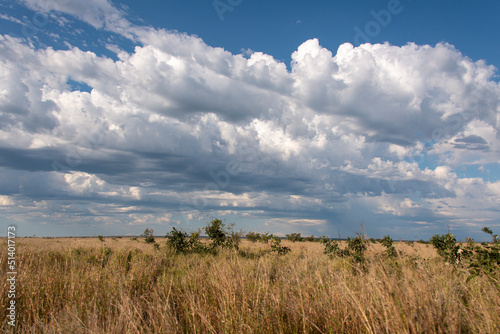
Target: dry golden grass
column 79, row 285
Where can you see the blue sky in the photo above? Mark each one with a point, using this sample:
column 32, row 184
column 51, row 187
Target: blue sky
column 277, row 27
column 280, row 116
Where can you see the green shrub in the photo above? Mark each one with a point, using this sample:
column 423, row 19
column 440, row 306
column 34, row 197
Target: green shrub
column 220, row 237
column 323, row 239
column 387, row 243
column 447, row 247
column 194, row 243
column 490, row 232
column 233, row 238
column 355, row 249
column 293, row 237
column 216, row 233
column 309, row 239
column 180, row 243
column 264, row 238
column 148, row 236
column 252, row 236
column 276, row 246
column 480, row 259
column 177, row 240
column 331, row 247
column 486, row 259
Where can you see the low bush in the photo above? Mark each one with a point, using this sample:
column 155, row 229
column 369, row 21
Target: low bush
column 181, row 243
column 310, row 238
column 148, row 236
column 390, row 250
column 220, row 237
column 264, row 238
column 446, row 246
column 252, row 236
column 480, row 259
column 276, row 246
column 293, row 237
column 355, row 249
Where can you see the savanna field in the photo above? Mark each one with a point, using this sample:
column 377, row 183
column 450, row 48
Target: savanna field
column 189, row 285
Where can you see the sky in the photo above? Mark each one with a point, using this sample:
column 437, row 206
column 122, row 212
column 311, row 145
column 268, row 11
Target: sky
column 319, row 117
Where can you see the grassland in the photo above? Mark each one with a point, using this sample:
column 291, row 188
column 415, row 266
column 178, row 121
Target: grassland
column 82, row 285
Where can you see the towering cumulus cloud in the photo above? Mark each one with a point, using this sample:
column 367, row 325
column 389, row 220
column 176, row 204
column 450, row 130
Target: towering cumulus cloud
column 178, row 128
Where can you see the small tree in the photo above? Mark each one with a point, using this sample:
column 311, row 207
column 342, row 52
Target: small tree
column 494, row 237
column 194, row 243
column 177, row 240
column 387, row 243
column 323, row 239
column 447, row 247
column 264, row 238
column 276, row 246
column 148, row 236
column 486, row 259
column 216, row 233
column 252, row 236
column 220, row 237
column 355, row 249
column 233, row 238
column 331, row 247
column 180, row 243
column 480, row 259
column 487, row 230
column 310, row 238
column 293, row 237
